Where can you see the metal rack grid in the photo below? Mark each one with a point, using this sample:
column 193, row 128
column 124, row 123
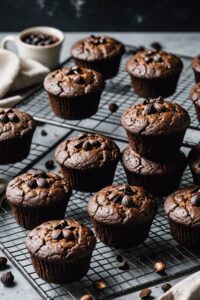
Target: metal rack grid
column 160, row 246
column 118, row 90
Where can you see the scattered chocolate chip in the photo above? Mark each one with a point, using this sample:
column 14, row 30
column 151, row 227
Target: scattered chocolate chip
column 195, row 200
column 4, row 118
column 50, row 164
column 149, row 109
column 3, row 261
column 8, row 110
column 166, row 286
column 95, row 143
column 70, row 227
column 113, row 107
column 87, row 146
column 68, row 71
column 158, row 58
column 119, row 258
column 42, row 183
column 32, row 184
column 39, row 173
column 128, row 191
column 159, row 107
column 79, row 79
column 86, row 297
column 123, row 266
column 156, row 46
column 148, row 59
column 82, row 136
column 39, row 39
column 57, row 226
column 78, row 144
column 64, row 223
column 43, row 132
column 7, row 279
column 117, row 198
column 13, row 117
column 145, row 293
column 99, row 285
column 57, row 234
column 76, row 70
column 68, row 234
column 126, row 201
column 159, row 267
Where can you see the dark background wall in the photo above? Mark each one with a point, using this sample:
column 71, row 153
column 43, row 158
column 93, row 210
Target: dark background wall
column 101, row 15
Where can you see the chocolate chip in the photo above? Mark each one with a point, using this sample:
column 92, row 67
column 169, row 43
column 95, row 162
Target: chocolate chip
column 42, row 183
column 39, row 173
column 99, row 285
column 159, row 107
column 149, row 109
column 13, row 117
column 68, row 71
column 70, row 227
column 57, row 234
column 87, row 146
column 166, row 286
column 31, row 183
column 43, row 132
column 64, row 223
column 195, row 200
column 117, row 198
column 126, row 201
column 82, row 136
column 156, row 46
column 8, row 110
column 57, row 226
column 113, row 107
column 78, row 144
column 3, row 261
column 50, row 164
column 119, row 258
column 159, row 267
column 86, row 297
column 7, row 279
column 145, row 293
column 68, row 234
column 158, row 58
column 128, row 191
column 95, row 143
column 79, row 79
column 4, row 118
column 123, row 266
column 76, row 69
column 148, row 59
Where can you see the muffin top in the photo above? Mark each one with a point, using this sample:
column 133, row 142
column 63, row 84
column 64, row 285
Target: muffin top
column 194, row 159
column 183, row 206
column 155, row 117
column 133, row 162
column 196, row 63
column 153, row 64
column 15, row 123
column 195, row 93
column 122, row 204
column 73, row 82
column 60, row 240
column 37, row 188
column 94, row 48
column 87, row 151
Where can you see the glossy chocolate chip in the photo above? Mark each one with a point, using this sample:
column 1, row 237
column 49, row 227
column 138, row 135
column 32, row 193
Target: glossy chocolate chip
column 31, row 183
column 42, row 183
column 127, row 202
column 7, row 279
column 64, row 223
column 82, row 136
column 149, row 109
column 148, row 60
column 68, row 234
column 156, row 45
column 95, row 143
column 39, row 173
column 78, row 144
column 128, row 191
column 4, row 118
column 123, row 266
column 113, row 107
column 87, row 146
column 13, row 117
column 117, row 198
column 49, row 164
column 79, row 79
column 70, row 227
column 195, row 200
column 3, row 262
column 57, row 234
column 158, row 58
column 159, row 107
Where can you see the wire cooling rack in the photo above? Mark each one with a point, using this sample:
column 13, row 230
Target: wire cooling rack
column 119, row 91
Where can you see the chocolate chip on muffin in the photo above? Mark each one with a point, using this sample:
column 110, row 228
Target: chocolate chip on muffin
column 196, row 68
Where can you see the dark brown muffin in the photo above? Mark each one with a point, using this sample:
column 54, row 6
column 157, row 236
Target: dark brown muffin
column 122, row 215
column 195, row 96
column 101, row 53
column 194, row 163
column 61, row 250
column 196, row 68
column 16, row 132
column 154, row 73
column 156, row 128
column 183, row 210
column 36, row 197
column 74, row 92
column 88, row 162
column 158, row 179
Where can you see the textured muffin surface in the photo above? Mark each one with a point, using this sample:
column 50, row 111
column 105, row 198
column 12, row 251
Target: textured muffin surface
column 196, row 63
column 60, row 240
column 15, row 123
column 73, row 82
column 37, row 188
column 122, row 204
column 87, row 151
column 155, row 117
column 195, row 93
column 97, row 48
column 153, row 64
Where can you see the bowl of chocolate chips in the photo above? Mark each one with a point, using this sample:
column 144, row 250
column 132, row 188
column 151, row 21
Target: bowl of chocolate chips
column 42, row 44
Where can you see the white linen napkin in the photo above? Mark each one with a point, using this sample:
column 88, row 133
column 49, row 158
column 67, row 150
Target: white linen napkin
column 17, row 73
column 187, row 289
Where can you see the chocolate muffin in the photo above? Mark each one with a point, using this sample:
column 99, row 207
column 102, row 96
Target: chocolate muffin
column 88, row 162
column 156, row 128
column 122, row 215
column 61, row 250
column 100, row 53
column 195, row 96
column 194, row 163
column 37, row 196
column 196, row 68
column 74, row 92
column 16, row 132
column 183, row 211
column 154, row 73
column 158, row 179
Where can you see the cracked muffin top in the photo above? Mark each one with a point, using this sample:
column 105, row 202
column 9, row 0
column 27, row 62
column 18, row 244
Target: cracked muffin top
column 183, row 206
column 155, row 117
column 196, row 63
column 37, row 188
column 133, row 162
column 194, row 159
column 195, row 93
column 153, row 64
column 95, row 48
column 87, row 151
column 15, row 123
column 122, row 204
column 73, row 82
column 60, row 240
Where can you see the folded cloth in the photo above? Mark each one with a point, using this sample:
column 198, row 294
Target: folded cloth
column 17, row 73
column 187, row 289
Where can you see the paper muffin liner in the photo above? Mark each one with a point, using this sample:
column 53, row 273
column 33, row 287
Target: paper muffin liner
column 90, row 180
column 185, row 235
column 63, row 271
column 157, row 148
column 155, row 87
